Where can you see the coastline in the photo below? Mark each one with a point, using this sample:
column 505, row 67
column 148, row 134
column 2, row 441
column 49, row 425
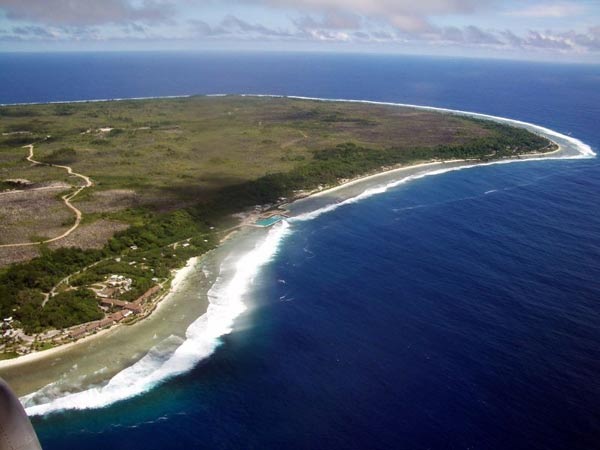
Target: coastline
column 340, row 193
column 178, row 277
column 96, row 358
column 392, row 172
column 346, row 192
column 180, row 274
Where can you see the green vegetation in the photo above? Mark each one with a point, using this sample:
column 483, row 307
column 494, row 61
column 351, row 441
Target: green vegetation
column 176, row 151
column 17, row 112
column 63, row 156
column 66, row 309
column 8, row 355
column 191, row 163
column 63, row 310
column 22, row 285
column 348, row 160
column 41, row 273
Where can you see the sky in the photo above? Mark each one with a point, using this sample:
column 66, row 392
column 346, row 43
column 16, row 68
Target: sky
column 560, row 31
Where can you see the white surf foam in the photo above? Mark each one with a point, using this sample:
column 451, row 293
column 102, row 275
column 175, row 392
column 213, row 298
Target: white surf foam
column 227, row 294
column 384, row 188
column 581, row 150
column 202, row 338
column 97, row 100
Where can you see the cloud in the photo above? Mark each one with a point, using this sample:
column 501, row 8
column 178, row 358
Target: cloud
column 33, row 31
column 232, row 23
column 551, row 10
column 233, row 26
column 561, row 41
column 475, row 35
column 511, row 39
column 200, row 27
column 86, row 12
column 395, row 24
column 331, row 21
column 404, row 15
column 546, row 40
column 382, row 7
column 469, row 35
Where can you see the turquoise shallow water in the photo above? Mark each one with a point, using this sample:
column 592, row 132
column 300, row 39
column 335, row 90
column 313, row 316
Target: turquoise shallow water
column 455, row 311
column 268, row 222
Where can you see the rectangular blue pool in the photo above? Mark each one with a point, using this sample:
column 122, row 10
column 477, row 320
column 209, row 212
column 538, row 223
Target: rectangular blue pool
column 269, row 221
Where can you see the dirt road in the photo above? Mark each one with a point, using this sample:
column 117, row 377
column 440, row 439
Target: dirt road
column 66, row 198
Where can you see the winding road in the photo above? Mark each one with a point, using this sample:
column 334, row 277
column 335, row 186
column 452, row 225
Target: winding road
column 66, row 198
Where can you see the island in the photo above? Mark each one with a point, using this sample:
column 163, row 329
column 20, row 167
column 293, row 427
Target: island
column 102, row 202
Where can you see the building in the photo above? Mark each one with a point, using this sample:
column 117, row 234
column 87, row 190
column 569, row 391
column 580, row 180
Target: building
column 111, row 302
column 120, row 315
column 146, row 295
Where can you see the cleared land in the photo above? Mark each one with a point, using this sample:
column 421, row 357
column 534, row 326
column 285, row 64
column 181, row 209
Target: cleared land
column 33, row 215
column 166, row 176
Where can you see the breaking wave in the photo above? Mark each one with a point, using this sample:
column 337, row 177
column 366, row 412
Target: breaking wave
column 202, row 338
column 235, row 279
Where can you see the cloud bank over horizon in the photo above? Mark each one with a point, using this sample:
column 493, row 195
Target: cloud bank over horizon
column 535, row 29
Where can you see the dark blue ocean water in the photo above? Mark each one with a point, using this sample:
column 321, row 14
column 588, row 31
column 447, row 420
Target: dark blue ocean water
column 456, row 311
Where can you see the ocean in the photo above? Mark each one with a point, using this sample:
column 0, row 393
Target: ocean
column 459, row 310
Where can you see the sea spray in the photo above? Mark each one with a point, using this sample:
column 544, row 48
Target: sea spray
column 202, row 337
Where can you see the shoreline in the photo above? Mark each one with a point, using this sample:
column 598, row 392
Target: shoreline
column 178, row 277
column 180, row 274
column 396, row 169
column 361, row 181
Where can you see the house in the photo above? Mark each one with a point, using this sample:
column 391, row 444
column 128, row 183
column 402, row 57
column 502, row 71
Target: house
column 112, row 302
column 146, row 295
column 104, row 322
column 77, row 332
column 120, row 315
